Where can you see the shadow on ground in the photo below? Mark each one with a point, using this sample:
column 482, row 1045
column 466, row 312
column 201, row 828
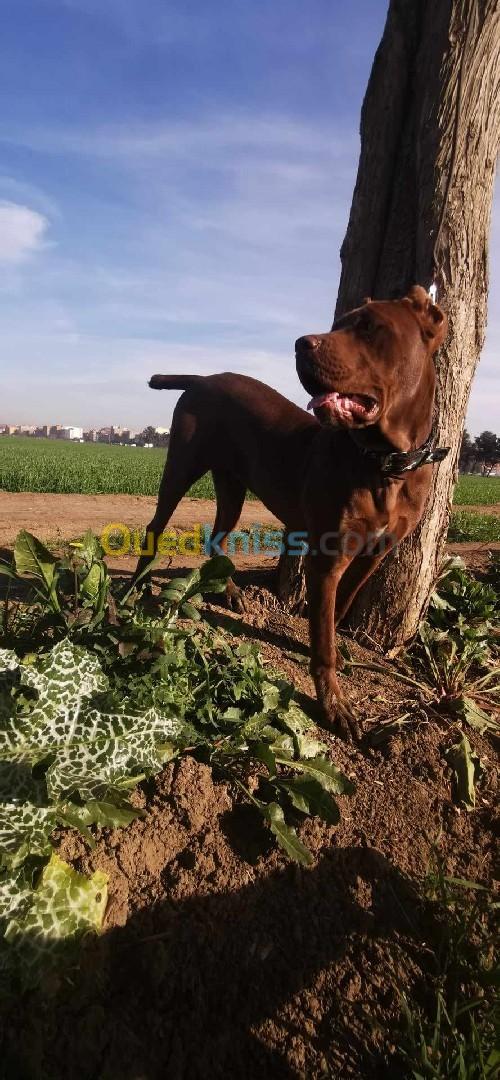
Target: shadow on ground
column 284, row 978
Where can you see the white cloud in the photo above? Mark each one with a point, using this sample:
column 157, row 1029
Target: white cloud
column 210, row 134
column 99, row 380
column 22, row 232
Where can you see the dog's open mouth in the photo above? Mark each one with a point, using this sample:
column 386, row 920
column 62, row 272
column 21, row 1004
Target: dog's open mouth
column 346, row 408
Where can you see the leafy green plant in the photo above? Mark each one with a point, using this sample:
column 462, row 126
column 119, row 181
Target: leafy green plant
column 71, row 591
column 120, row 688
column 455, row 655
column 455, row 1036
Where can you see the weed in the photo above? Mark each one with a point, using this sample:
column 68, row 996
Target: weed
column 454, row 1036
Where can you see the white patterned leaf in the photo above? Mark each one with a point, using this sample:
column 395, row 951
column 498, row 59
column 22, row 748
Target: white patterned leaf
column 65, row 678
column 8, row 660
column 91, row 752
column 93, row 768
column 15, row 894
column 17, row 783
column 42, row 921
column 25, row 830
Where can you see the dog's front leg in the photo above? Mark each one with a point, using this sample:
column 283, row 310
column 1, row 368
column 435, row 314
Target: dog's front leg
column 323, row 574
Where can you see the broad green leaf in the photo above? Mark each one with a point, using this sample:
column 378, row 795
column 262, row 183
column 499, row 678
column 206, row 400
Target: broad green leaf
column 210, row 577
column 310, row 797
column 215, row 572
column 108, row 815
column 63, row 903
column 270, row 696
column 8, row 571
column 286, row 836
column 322, row 770
column 95, row 767
column 89, row 548
column 64, row 678
column 262, row 751
column 33, row 558
column 103, row 814
column 233, row 714
column 492, row 1068
column 328, row 775
column 299, row 726
column 92, row 583
column 466, row 768
column 474, row 716
column 17, row 783
column 189, row 611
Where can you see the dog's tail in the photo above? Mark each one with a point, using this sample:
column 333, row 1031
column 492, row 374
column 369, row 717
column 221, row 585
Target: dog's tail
column 175, row 382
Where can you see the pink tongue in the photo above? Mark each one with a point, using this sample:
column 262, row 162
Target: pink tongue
column 323, row 399
column 342, row 404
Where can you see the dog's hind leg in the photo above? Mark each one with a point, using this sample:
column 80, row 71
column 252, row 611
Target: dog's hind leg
column 230, row 494
column 184, row 465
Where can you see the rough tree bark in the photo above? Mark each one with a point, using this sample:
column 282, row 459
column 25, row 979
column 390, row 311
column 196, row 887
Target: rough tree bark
column 430, row 131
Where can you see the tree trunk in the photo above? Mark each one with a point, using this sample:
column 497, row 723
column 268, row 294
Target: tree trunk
column 430, row 129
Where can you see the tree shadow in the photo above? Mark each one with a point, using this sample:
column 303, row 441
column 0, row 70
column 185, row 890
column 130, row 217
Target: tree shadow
column 186, row 988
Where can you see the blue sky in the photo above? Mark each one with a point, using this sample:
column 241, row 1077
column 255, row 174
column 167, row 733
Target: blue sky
column 175, row 182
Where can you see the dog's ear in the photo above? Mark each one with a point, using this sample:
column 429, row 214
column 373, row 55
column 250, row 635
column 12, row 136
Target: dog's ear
column 433, row 321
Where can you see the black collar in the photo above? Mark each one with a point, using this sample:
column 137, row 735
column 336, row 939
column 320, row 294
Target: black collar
column 398, row 462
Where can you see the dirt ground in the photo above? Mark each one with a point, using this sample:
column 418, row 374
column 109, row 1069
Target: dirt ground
column 54, row 518
column 219, row 957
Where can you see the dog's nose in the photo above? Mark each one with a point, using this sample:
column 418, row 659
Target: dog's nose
column 307, row 343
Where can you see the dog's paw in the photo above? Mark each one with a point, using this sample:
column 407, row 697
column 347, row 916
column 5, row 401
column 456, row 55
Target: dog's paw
column 336, row 712
column 155, row 382
column 235, row 599
column 345, row 722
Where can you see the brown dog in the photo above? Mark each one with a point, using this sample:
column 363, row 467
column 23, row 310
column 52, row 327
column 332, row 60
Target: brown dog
column 356, row 472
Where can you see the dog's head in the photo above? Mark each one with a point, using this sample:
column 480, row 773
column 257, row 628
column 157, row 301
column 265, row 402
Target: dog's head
column 375, row 365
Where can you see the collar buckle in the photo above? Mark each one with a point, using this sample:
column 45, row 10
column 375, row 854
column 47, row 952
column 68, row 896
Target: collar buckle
column 399, row 462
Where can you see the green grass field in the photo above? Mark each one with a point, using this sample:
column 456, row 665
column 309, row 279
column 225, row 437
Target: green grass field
column 44, row 465
column 475, row 528
column 477, row 491
column 94, row 468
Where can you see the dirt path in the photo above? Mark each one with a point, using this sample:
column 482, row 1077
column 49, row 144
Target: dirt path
column 490, row 508
column 53, row 517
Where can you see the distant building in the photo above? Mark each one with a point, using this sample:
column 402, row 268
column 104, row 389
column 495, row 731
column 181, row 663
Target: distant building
column 105, row 434
column 72, row 433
